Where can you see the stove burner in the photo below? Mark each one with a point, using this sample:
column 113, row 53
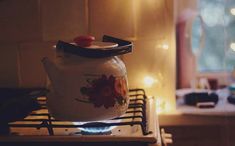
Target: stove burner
column 100, row 133
column 135, row 116
column 95, row 128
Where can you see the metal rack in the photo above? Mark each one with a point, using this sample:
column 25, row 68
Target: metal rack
column 136, row 110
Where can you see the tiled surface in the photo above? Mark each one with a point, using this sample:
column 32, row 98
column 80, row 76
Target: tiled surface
column 151, row 19
column 31, row 24
column 154, row 28
column 9, row 66
column 142, row 61
column 31, row 70
column 14, row 8
column 19, row 21
column 111, row 17
column 63, row 19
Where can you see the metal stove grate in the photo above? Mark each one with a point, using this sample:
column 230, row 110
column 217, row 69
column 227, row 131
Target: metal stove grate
column 135, row 115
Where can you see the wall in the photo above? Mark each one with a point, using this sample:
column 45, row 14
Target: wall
column 29, row 28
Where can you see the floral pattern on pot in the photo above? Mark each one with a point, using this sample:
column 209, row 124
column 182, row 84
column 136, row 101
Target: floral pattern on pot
column 106, row 91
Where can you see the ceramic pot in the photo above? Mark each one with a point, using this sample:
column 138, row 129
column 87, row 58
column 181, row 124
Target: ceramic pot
column 88, row 84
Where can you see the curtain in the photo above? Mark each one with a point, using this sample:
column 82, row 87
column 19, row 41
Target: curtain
column 186, row 63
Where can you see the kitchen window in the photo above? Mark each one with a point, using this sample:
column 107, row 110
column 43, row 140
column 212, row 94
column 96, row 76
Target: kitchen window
column 206, row 40
column 206, row 54
column 212, row 36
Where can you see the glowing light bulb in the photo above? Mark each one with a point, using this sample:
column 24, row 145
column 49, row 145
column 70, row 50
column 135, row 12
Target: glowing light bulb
column 165, row 46
column 232, row 11
column 148, row 81
column 232, row 46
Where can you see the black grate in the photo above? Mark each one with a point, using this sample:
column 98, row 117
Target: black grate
column 135, row 115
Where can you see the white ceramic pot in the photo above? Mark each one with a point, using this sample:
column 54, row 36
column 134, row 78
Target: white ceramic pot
column 86, row 85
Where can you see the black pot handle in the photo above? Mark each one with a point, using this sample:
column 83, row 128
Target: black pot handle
column 123, row 48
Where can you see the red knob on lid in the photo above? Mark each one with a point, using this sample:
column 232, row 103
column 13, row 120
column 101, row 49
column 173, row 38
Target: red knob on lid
column 84, row 41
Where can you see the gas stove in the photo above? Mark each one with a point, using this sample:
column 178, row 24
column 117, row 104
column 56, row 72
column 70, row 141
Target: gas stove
column 138, row 126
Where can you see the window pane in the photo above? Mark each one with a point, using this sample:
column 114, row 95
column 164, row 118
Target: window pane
column 230, row 32
column 218, row 28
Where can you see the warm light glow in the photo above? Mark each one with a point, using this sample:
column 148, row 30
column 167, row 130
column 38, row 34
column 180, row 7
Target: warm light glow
column 148, row 81
column 162, row 106
column 232, row 46
column 232, row 11
column 165, row 46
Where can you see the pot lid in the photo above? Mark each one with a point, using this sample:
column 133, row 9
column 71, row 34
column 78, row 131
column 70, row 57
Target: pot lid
column 110, row 46
column 102, row 45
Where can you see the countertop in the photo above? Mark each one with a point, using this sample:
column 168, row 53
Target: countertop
column 222, row 114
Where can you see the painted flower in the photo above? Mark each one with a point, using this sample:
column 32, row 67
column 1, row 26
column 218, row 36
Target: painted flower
column 105, row 91
column 121, row 86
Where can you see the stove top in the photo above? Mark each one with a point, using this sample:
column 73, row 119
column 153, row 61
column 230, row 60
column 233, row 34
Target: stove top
column 138, row 124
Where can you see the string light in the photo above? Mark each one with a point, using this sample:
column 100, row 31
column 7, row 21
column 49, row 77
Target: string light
column 165, row 46
column 148, row 81
column 232, row 46
column 232, row 11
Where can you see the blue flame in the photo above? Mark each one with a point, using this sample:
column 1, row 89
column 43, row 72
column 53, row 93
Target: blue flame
column 98, row 129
